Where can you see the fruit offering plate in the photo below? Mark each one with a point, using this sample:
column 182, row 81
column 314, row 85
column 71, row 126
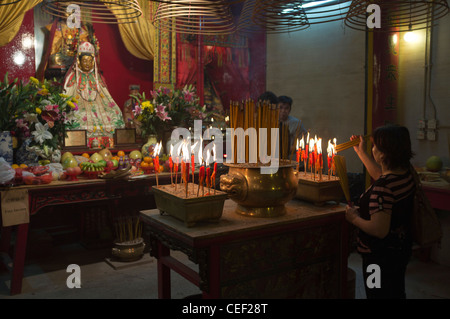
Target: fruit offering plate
column 37, row 180
column 92, row 174
column 72, row 176
column 189, row 208
column 148, row 170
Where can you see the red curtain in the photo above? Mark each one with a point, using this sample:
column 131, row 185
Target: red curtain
column 227, row 68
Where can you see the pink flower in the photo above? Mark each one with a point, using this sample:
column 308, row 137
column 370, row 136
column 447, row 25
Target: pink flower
column 137, row 110
column 84, row 118
column 20, row 123
column 188, row 96
column 161, row 113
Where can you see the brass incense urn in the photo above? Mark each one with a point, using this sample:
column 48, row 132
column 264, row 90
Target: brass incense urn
column 258, row 194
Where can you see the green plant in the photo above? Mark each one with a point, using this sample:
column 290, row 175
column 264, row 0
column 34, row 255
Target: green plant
column 13, row 100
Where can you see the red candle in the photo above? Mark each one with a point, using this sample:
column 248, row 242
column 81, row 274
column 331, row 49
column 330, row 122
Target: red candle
column 201, row 177
column 208, row 172
column 213, row 177
column 187, row 173
column 157, row 164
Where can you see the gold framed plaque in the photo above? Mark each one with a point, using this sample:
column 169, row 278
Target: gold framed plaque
column 76, row 138
column 124, row 136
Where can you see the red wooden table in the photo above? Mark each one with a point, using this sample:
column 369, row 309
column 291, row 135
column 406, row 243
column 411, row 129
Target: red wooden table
column 63, row 193
column 302, row 254
column 439, row 196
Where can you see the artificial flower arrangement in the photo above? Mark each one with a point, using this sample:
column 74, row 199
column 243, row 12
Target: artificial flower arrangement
column 44, row 117
column 167, row 109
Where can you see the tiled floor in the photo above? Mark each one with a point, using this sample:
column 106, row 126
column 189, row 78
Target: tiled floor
column 46, row 277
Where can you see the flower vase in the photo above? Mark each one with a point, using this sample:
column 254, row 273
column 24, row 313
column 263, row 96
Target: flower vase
column 6, row 147
column 146, row 148
column 23, row 156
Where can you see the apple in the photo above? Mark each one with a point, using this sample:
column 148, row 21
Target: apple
column 115, row 163
column 77, row 170
column 70, row 170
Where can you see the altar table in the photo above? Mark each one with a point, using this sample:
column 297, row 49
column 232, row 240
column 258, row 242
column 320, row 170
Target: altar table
column 70, row 192
column 302, row 254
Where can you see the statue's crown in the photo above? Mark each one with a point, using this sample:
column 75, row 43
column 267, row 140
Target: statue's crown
column 86, row 47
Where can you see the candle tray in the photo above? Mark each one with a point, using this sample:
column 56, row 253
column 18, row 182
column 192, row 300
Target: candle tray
column 191, row 209
column 317, row 191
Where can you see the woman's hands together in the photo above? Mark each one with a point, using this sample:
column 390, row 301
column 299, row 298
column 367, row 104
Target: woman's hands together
column 351, row 213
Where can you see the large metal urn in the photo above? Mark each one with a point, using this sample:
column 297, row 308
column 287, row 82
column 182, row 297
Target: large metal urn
column 258, row 194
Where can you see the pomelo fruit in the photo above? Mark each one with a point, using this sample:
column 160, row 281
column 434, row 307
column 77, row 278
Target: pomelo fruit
column 434, row 163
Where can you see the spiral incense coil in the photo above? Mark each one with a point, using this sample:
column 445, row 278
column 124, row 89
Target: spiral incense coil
column 279, row 16
column 194, row 17
column 100, row 11
column 326, row 11
column 404, row 15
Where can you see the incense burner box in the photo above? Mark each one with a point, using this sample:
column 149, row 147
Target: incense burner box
column 190, row 209
column 316, row 191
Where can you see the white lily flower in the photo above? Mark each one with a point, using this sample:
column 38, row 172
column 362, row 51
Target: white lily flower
column 41, row 133
column 31, row 117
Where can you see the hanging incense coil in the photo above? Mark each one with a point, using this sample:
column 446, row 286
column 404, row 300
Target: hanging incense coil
column 100, row 11
column 6, row 2
column 403, row 15
column 194, row 17
column 326, row 11
column 289, row 16
column 279, row 16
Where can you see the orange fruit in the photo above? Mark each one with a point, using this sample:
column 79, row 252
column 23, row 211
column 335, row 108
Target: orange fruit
column 161, row 169
column 148, row 159
column 14, row 166
column 23, row 166
column 150, row 164
column 144, row 164
column 85, row 155
column 120, row 153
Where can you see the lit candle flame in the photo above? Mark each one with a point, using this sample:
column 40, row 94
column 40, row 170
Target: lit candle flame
column 157, row 149
column 319, row 145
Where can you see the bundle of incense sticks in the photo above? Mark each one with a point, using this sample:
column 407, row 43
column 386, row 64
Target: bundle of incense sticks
column 341, row 169
column 349, row 144
column 245, row 115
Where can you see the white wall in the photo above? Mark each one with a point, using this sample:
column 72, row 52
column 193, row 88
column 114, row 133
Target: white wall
column 322, row 69
column 411, row 92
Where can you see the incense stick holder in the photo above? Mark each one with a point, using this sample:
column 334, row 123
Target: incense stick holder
column 190, row 209
column 319, row 192
column 129, row 250
column 257, row 194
